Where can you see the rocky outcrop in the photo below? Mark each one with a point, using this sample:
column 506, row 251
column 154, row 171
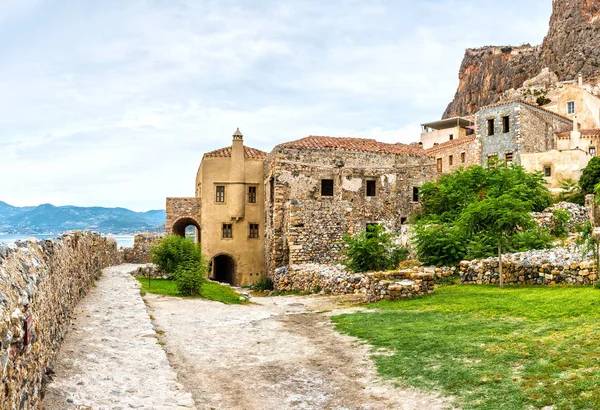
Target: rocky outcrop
column 571, row 46
column 40, row 284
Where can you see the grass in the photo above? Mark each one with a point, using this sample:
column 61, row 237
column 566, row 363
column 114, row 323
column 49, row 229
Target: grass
column 210, row 290
column 517, row 348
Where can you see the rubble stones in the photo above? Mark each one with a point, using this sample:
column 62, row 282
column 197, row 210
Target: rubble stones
column 579, row 215
column 140, row 252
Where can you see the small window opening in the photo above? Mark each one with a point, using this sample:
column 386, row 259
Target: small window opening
column 451, row 160
column 451, row 137
column 547, row 171
column 463, row 157
column 272, row 190
column 505, row 124
column 327, row 187
column 227, row 231
column 371, row 188
column 593, row 151
column 439, row 165
column 415, row 194
column 571, row 107
column 252, row 194
column 492, row 160
column 403, row 220
column 490, row 126
column 253, row 231
column 220, row 194
column 509, row 157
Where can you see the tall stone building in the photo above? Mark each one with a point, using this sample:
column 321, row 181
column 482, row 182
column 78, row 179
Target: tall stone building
column 227, row 212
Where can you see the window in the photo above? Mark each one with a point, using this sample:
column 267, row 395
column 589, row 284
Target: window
column 372, row 188
column 415, row 194
column 506, row 124
column 272, row 190
column 227, row 231
column 451, row 137
column 439, row 165
column 547, row 171
column 492, row 160
column 253, row 231
column 220, row 194
column 451, row 160
column 327, row 187
column 509, row 157
column 490, row 126
column 403, row 220
column 593, row 151
column 463, row 157
column 571, row 107
column 252, row 195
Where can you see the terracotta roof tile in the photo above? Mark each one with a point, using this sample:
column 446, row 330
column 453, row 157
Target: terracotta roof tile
column 249, row 153
column 450, row 144
column 353, row 144
column 592, row 132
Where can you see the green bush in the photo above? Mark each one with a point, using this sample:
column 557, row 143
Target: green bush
column 531, row 239
column 171, row 251
column 543, row 100
column 373, row 250
column 182, row 259
column 263, row 283
column 439, row 244
column 590, row 176
column 560, row 223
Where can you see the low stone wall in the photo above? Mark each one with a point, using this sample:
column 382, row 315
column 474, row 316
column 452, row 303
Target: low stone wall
column 40, row 284
column 579, row 215
column 336, row 280
column 547, row 267
column 140, row 252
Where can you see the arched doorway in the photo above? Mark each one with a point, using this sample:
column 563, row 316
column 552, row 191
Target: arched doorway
column 224, row 269
column 188, row 228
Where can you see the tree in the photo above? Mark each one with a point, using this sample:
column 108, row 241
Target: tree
column 500, row 218
column 570, row 191
column 373, row 250
column 590, row 176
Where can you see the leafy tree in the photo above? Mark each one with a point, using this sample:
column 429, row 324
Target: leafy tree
column 560, row 222
column 570, row 192
column 590, row 176
column 373, row 250
column 499, row 218
column 182, row 259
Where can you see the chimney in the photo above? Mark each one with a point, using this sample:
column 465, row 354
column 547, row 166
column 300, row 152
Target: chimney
column 580, row 79
column 237, row 177
column 575, row 135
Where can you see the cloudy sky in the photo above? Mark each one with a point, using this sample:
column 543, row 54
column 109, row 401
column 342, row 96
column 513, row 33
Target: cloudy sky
column 113, row 102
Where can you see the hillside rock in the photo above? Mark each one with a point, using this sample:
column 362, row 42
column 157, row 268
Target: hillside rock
column 571, row 46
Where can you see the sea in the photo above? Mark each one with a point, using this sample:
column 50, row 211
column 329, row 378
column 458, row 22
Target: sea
column 122, row 240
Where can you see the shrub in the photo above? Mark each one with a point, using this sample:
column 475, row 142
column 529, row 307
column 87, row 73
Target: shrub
column 317, row 289
column 560, row 222
column 189, row 278
column 171, row 251
column 506, row 49
column 590, row 176
column 543, row 100
column 532, row 239
column 439, row 244
column 372, row 250
column 263, row 283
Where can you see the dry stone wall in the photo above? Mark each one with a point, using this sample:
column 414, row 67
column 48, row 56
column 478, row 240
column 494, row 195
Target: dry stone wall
column 40, row 284
column 579, row 215
column 373, row 286
column 140, row 252
column 559, row 266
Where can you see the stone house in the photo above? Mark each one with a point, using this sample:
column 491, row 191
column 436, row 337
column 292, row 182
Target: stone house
column 459, row 153
column 227, row 212
column 321, row 188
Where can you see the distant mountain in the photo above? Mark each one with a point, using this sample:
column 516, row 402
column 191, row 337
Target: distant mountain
column 49, row 219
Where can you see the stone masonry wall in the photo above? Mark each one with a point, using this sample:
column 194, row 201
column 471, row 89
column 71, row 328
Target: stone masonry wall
column 140, row 252
column 302, row 226
column 182, row 212
column 538, row 129
column 579, row 215
column 559, row 266
column 40, row 284
column 373, row 286
column 469, row 146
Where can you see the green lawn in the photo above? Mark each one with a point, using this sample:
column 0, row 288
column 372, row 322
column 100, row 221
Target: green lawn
column 210, row 290
column 515, row 348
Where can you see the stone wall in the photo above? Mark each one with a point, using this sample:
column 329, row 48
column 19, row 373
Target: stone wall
column 304, row 227
column 579, row 215
column 468, row 147
column 538, row 129
column 373, row 286
column 559, row 266
column 140, row 252
column 40, row 284
column 182, row 212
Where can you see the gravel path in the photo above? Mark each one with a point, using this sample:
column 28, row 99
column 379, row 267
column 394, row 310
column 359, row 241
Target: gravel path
column 277, row 353
column 111, row 358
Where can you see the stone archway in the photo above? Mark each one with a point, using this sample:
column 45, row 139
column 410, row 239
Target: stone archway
column 179, row 227
column 224, row 269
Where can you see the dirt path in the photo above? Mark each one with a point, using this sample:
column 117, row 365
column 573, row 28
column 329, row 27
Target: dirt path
column 111, row 358
column 275, row 354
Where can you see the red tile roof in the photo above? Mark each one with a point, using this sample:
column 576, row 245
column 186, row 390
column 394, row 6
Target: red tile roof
column 593, row 132
column 353, row 144
column 249, row 153
column 451, row 144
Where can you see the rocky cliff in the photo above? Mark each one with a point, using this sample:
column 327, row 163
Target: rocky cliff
column 571, row 46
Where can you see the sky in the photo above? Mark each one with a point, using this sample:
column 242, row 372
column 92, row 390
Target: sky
column 113, row 102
